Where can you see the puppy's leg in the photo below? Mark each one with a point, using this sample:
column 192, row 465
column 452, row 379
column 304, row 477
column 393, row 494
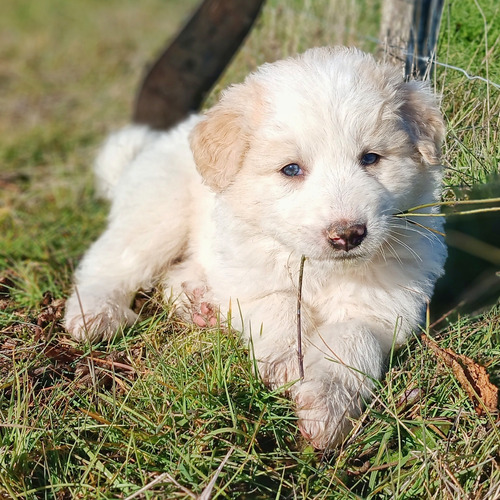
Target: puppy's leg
column 148, row 230
column 341, row 362
column 270, row 324
column 115, row 267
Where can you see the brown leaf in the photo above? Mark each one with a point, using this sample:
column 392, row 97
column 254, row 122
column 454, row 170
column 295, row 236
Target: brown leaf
column 61, row 353
column 95, row 368
column 473, row 377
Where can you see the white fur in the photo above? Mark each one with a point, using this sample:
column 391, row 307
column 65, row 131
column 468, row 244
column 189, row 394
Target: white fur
column 229, row 241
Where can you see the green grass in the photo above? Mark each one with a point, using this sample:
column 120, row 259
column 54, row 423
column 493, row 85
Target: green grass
column 168, row 401
column 472, row 108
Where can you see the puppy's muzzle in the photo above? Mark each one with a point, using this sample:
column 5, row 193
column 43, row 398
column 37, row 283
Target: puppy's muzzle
column 346, row 236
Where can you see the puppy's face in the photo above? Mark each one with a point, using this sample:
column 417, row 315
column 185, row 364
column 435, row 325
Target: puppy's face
column 318, row 152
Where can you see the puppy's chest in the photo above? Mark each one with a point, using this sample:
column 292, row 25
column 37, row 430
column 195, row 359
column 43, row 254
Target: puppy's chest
column 339, row 297
column 334, row 298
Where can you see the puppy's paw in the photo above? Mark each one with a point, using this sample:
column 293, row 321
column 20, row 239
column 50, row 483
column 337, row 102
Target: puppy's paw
column 203, row 313
column 205, row 316
column 96, row 323
column 324, row 412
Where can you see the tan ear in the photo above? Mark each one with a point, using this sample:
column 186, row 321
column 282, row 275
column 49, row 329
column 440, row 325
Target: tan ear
column 220, row 140
column 423, row 120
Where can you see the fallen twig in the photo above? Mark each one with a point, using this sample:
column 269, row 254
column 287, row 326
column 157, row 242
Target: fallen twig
column 165, row 476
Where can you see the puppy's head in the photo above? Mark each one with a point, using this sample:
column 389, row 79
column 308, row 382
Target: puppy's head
column 318, row 151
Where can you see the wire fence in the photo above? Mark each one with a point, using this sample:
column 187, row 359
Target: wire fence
column 393, row 50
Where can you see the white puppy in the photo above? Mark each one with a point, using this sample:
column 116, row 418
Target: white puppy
column 309, row 156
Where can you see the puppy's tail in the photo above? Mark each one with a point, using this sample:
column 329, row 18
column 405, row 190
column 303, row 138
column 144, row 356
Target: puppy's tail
column 118, row 151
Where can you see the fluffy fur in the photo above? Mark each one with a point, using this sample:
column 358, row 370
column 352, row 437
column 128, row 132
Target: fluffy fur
column 208, row 212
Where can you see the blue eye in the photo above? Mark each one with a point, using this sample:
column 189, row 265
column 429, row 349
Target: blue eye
column 292, row 170
column 370, row 159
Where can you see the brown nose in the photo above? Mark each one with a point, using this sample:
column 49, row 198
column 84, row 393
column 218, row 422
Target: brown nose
column 344, row 237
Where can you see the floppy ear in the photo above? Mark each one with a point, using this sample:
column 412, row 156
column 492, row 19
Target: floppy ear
column 219, row 142
column 423, row 120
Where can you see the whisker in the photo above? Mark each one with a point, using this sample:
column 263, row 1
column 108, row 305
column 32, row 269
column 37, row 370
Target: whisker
column 428, row 236
column 394, row 253
column 404, row 245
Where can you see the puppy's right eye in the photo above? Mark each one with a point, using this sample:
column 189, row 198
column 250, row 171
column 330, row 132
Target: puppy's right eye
column 292, row 170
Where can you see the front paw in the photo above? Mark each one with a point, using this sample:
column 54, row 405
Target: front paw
column 325, row 411
column 99, row 321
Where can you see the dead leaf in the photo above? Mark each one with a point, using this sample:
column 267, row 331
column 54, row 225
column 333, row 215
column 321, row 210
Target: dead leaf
column 113, row 360
column 473, row 377
column 51, row 314
column 410, row 397
column 60, row 353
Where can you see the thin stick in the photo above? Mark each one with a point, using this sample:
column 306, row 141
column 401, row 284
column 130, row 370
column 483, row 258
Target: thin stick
column 440, row 214
column 453, row 203
column 113, row 364
column 445, row 315
column 299, row 319
column 425, row 227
